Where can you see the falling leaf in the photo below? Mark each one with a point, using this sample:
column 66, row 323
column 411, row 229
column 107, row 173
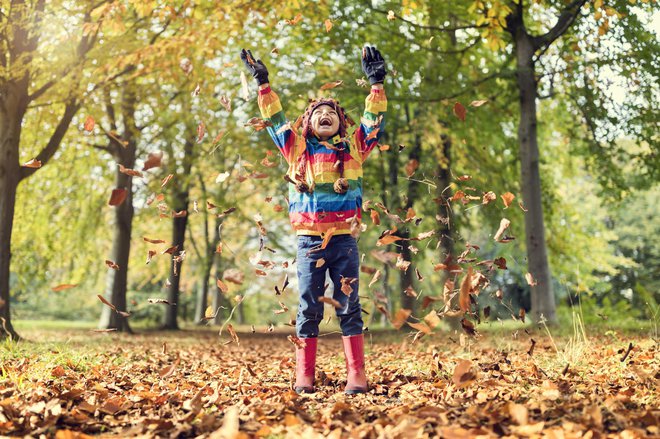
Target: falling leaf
column 196, row 91
column 463, row 178
column 201, row 132
column 468, row 327
column 89, row 124
column 375, row 278
column 391, row 16
column 168, row 371
column 186, row 65
column 320, row 263
column 401, row 317
column 330, row 85
column 128, row 171
column 530, row 279
column 245, row 90
column 375, row 217
column 522, row 207
column 226, row 102
column 295, row 20
column 326, row 237
column 222, row 286
column 420, row 327
column 153, row 160
column 209, row 313
column 384, row 147
column 163, row 301
column 488, row 197
column 150, row 254
column 328, row 24
column 233, row 334
column 411, row 167
column 478, row 103
column 464, row 294
column 432, row 319
column 34, row 164
column 330, row 301
column 179, row 214
column 500, row 263
column 166, row 180
column 402, row 264
column 111, row 264
column 63, row 287
column 507, row 198
column 410, row 291
column 117, row 197
column 504, row 224
column 152, row 241
column 521, row 315
column 459, row 111
column 258, row 124
column 346, row 284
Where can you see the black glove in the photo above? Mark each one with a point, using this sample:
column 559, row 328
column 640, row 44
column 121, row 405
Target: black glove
column 256, row 68
column 373, row 65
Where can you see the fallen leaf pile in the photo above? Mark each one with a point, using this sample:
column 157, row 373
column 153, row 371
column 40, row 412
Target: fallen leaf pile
column 178, row 385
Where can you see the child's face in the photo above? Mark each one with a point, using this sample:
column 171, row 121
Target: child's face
column 324, row 122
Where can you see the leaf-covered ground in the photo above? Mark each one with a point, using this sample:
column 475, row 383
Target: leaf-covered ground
column 191, row 384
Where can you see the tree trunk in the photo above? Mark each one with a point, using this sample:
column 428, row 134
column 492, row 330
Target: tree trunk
column 9, row 178
column 543, row 301
column 124, row 154
column 219, row 298
column 117, row 280
column 203, row 291
column 178, row 239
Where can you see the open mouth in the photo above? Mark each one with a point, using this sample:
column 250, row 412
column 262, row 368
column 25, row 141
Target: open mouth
column 325, row 122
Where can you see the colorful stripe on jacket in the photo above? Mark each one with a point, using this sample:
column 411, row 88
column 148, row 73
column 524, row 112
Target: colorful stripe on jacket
column 322, row 210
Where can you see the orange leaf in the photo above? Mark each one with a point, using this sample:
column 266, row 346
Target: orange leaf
column 375, row 217
column 221, row 285
column 420, row 327
column 330, row 301
column 488, row 197
column 507, row 198
column 89, row 124
column 152, row 241
column 153, row 160
column 326, row 237
column 387, row 239
column 464, row 295
column 328, row 24
column 530, row 279
column 64, row 287
column 330, row 85
column 463, row 374
column 166, row 180
column 400, row 317
column 34, row 163
column 201, row 132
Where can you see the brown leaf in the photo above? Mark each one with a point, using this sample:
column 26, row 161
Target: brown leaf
column 422, row 327
column 346, row 284
column 111, row 264
column 463, row 178
column 330, row 85
column 500, row 263
column 150, row 255
column 478, row 103
column 153, row 160
column 168, row 371
column 375, row 278
column 328, row 24
column 163, row 301
column 459, row 111
column 401, row 317
column 326, row 237
column 258, row 124
column 468, row 326
column 411, row 167
column 432, row 319
column 226, row 102
column 331, row 301
column 117, row 197
column 295, row 20
column 375, row 217
column 201, row 132
column 128, row 171
column 464, row 374
column 152, row 241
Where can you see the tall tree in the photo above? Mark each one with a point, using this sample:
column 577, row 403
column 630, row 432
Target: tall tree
column 22, row 83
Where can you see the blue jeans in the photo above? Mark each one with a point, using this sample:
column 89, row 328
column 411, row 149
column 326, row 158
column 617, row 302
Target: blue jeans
column 341, row 259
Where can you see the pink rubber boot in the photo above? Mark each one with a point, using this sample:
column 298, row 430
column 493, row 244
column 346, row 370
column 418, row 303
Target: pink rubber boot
column 356, row 380
column 305, row 365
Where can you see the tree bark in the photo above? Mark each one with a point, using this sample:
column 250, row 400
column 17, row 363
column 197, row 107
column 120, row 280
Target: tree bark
column 124, row 155
column 543, row 301
column 9, row 178
column 179, row 224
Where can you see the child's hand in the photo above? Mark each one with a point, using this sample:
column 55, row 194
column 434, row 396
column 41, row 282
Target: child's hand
column 256, row 68
column 373, row 65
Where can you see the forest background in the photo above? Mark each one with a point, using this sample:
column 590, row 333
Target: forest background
column 131, row 167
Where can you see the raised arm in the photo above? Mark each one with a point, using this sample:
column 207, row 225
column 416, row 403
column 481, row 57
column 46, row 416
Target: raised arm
column 373, row 119
column 270, row 106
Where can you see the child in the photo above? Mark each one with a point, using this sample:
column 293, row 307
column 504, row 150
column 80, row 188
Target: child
column 325, row 201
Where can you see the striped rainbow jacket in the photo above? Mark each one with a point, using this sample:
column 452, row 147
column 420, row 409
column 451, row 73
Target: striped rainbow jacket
column 324, row 210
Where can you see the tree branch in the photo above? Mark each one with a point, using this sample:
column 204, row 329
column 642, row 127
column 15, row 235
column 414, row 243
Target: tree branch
column 55, row 139
column 426, row 27
column 565, row 20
